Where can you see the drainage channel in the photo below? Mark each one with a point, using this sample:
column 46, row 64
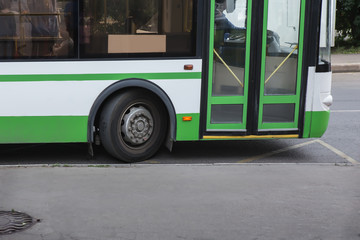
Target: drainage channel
column 13, row 221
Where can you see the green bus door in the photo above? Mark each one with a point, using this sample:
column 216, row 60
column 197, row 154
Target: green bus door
column 280, row 66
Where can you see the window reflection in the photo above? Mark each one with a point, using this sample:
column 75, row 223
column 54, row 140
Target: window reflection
column 107, row 28
column 229, row 49
column 281, row 47
column 325, row 37
column 226, row 113
column 279, row 113
column 124, row 27
column 36, row 29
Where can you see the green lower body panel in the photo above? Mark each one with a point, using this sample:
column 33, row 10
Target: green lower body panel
column 316, row 124
column 44, row 129
column 187, row 130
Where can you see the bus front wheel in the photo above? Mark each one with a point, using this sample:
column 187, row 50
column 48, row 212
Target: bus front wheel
column 133, row 125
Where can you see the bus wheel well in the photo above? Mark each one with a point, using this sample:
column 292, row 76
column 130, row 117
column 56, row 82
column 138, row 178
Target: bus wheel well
column 117, row 93
column 133, row 125
column 131, row 85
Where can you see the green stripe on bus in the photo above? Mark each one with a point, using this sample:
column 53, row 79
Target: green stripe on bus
column 43, row 129
column 95, row 77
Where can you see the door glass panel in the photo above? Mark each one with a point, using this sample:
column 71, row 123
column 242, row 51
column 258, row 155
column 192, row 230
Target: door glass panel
column 229, row 48
column 226, row 113
column 281, row 47
column 278, row 113
column 325, row 34
column 229, row 66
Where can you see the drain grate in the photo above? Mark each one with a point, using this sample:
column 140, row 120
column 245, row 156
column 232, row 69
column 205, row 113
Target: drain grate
column 12, row 221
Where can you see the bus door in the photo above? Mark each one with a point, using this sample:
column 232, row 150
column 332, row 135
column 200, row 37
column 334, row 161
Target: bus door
column 236, row 96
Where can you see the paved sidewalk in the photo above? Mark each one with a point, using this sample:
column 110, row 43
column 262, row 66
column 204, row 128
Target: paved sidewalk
column 345, row 63
column 166, row 202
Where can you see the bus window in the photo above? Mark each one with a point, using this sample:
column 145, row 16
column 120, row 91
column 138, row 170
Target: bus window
column 7, row 30
column 282, row 41
column 132, row 28
column 324, row 58
column 279, row 113
column 36, row 29
column 229, row 48
column 280, row 91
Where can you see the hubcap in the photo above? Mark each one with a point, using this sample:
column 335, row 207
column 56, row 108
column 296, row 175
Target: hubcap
column 137, row 125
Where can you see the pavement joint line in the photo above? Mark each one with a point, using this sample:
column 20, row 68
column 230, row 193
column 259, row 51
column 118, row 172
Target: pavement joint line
column 261, row 156
column 338, row 152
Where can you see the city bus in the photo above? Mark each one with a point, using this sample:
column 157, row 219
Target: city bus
column 135, row 75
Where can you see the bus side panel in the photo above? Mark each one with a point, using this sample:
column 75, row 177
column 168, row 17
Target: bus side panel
column 51, row 101
column 46, row 108
column 318, row 101
column 43, row 129
column 185, row 96
column 188, row 130
column 318, row 122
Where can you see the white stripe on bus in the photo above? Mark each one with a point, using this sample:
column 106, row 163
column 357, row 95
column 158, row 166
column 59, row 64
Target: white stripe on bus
column 98, row 67
column 75, row 98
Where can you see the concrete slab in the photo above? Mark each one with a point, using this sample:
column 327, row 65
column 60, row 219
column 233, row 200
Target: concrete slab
column 345, row 63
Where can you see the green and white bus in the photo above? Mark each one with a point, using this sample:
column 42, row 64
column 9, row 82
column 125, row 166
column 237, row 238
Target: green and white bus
column 133, row 75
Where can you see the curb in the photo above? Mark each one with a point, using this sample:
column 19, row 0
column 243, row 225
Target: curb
column 345, row 68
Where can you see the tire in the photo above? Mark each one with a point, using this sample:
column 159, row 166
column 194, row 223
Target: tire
column 133, row 125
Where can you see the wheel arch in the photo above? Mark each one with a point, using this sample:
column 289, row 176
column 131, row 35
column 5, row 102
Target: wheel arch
column 132, row 83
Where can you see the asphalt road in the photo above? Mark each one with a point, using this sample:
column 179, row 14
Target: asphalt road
column 340, row 144
column 185, row 202
column 195, row 202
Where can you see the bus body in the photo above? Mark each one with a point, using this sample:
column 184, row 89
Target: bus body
column 136, row 74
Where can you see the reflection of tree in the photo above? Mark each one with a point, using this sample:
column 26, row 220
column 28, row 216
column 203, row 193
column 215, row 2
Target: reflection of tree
column 117, row 16
column 144, row 10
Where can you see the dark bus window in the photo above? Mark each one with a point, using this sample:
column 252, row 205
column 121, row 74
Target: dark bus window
column 324, row 59
column 139, row 28
column 38, row 29
column 7, row 30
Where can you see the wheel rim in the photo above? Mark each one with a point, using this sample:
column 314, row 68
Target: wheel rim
column 137, row 125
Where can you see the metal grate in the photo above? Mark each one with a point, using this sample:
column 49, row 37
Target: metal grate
column 12, row 221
